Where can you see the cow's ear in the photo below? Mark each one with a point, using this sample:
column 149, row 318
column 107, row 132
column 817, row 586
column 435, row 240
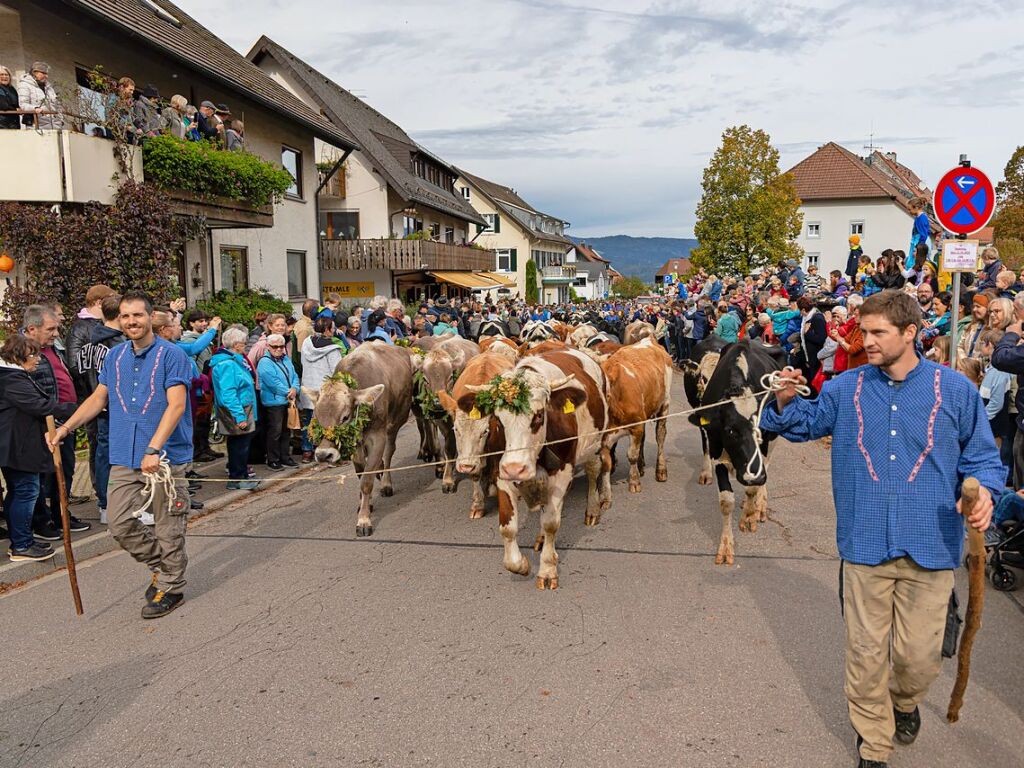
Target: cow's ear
column 416, row 359
column 447, row 402
column 467, row 402
column 570, row 392
column 369, row 395
column 312, row 394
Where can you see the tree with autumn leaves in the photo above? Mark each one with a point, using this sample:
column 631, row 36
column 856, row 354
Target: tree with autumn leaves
column 1009, row 218
column 748, row 215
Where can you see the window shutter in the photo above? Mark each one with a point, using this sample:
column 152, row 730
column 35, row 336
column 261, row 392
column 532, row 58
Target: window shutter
column 497, row 224
column 513, row 266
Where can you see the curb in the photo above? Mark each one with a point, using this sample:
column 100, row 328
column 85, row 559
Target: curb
column 15, row 575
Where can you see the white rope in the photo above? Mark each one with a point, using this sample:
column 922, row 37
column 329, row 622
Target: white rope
column 770, row 383
column 162, row 478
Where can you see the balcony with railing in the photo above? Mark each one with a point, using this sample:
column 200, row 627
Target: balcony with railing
column 403, row 255
column 61, row 167
column 558, row 275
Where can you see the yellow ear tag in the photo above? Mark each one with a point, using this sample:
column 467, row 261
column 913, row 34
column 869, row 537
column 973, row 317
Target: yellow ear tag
column 475, row 413
column 568, row 407
column 704, row 421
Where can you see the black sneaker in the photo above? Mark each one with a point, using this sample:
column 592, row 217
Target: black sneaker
column 79, row 525
column 289, row 462
column 908, row 725
column 161, row 604
column 30, row 553
column 994, row 536
column 193, row 487
column 151, row 590
column 196, row 505
column 863, row 762
column 48, row 532
column 42, row 544
column 193, row 475
column 274, row 466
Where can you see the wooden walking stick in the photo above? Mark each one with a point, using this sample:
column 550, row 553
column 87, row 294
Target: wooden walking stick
column 975, row 599
column 65, row 517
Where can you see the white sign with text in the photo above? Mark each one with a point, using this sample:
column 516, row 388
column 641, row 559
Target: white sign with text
column 960, row 256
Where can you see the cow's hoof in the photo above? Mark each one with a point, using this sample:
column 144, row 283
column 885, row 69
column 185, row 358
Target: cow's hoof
column 439, row 472
column 748, row 524
column 364, row 530
column 724, row 556
column 704, row 479
column 550, row 582
column 592, row 520
column 538, row 543
column 387, row 490
column 421, row 456
column 634, row 486
column 522, row 568
column 447, row 487
column 662, row 476
column 476, row 514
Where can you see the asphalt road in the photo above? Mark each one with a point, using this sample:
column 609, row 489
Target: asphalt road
column 299, row 645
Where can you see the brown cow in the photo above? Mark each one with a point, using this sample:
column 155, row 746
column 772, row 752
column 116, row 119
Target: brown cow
column 383, row 374
column 559, row 430
column 636, row 331
column 639, row 388
column 501, row 345
column 476, row 433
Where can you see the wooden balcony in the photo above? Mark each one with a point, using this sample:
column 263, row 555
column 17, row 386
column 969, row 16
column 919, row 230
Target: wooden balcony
column 403, row 255
column 220, row 212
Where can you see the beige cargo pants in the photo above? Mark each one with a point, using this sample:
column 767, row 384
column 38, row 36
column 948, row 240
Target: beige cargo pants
column 161, row 547
column 895, row 621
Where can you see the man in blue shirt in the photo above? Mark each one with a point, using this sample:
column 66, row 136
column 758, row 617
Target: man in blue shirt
column 144, row 385
column 905, row 434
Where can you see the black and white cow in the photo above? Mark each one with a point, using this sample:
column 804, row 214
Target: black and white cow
column 697, row 371
column 730, row 434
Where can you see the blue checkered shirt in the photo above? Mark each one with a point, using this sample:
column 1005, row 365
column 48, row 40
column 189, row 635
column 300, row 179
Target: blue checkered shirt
column 900, row 451
column 137, row 398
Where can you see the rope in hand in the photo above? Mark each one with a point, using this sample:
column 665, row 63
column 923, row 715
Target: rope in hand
column 771, row 383
column 161, row 479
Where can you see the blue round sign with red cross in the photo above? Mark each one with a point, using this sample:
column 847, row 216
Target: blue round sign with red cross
column 964, row 201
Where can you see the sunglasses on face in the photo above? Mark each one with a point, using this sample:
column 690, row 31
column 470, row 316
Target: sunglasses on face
column 277, row 346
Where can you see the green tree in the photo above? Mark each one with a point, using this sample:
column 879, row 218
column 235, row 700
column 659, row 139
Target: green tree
column 532, row 294
column 630, row 287
column 1011, row 188
column 1009, row 221
column 1011, row 251
column 748, row 214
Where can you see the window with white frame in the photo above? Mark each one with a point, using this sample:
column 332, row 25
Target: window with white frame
column 580, row 281
column 503, row 261
column 465, row 193
column 449, row 234
column 856, row 227
column 492, row 222
column 435, row 231
column 812, row 260
column 814, row 229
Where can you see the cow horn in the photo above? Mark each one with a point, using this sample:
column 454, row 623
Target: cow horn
column 474, row 388
column 559, row 383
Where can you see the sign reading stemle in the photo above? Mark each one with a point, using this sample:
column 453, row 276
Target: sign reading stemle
column 964, row 200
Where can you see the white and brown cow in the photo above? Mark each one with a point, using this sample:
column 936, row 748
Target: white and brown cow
column 383, row 374
column 637, row 331
column 559, row 430
column 639, row 388
column 440, row 367
column 477, row 434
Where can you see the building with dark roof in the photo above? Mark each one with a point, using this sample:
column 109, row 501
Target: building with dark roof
column 592, row 281
column 518, row 233
column 156, row 43
column 678, row 267
column 843, row 194
column 390, row 189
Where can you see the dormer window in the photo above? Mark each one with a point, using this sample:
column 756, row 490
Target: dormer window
column 162, row 13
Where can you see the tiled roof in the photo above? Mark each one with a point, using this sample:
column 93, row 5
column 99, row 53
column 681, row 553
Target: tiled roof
column 590, row 254
column 515, row 206
column 390, row 149
column 195, row 46
column 679, row 266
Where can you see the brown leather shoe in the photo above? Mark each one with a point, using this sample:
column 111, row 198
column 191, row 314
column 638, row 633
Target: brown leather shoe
column 307, row 457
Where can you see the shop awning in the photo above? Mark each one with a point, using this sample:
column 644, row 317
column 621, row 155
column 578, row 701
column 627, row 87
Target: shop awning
column 464, row 279
column 502, row 280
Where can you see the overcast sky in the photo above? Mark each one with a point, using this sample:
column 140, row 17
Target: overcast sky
column 605, row 112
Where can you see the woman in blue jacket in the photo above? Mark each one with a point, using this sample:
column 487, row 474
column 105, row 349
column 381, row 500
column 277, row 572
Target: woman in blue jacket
column 234, row 395
column 279, row 386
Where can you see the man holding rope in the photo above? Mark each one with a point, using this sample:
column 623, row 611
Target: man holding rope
column 144, row 385
column 906, row 433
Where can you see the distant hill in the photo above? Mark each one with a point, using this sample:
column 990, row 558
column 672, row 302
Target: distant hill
column 640, row 256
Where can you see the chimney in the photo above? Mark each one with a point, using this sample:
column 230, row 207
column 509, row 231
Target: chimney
column 891, row 156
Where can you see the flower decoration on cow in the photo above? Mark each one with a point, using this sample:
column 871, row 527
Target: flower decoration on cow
column 510, row 394
column 348, row 436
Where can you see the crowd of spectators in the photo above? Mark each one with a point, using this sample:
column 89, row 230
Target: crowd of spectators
column 128, row 112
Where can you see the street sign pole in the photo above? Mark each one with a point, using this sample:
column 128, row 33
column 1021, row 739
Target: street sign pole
column 963, row 203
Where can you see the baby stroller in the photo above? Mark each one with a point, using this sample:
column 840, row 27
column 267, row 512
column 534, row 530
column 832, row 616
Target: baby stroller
column 1008, row 552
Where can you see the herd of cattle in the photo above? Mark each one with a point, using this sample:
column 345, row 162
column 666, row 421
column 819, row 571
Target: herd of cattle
column 586, row 387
